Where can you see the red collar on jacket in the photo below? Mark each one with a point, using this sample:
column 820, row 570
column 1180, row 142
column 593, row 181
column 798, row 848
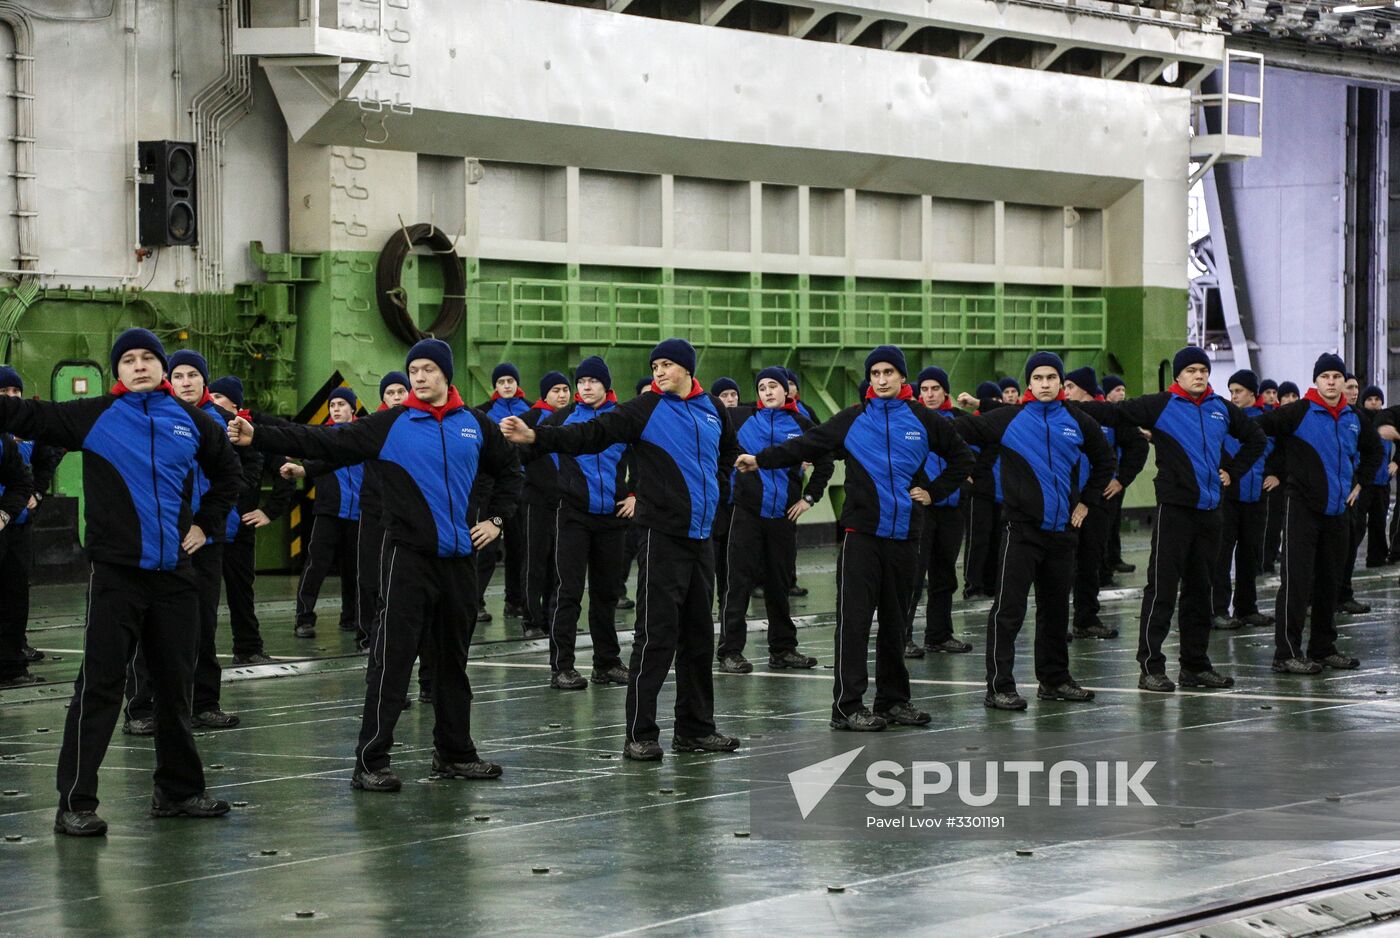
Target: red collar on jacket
column 609, row 398
column 1100, row 397
column 947, row 403
column 454, row 401
column 382, row 407
column 119, row 389
column 906, row 393
column 1030, row 398
column 206, row 399
column 496, row 396
column 696, row 389
column 542, row 404
column 1336, row 412
column 788, row 404
column 1180, row 392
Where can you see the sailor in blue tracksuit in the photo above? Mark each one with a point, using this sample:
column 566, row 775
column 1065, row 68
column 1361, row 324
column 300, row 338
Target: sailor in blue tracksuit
column 680, row 437
column 1115, row 391
column 762, row 538
column 885, row 441
column 940, row 537
column 589, row 524
column 1327, row 446
column 1242, row 523
column 16, row 544
column 189, row 374
column 335, row 532
column 506, row 400
column 982, row 509
column 1375, row 492
column 1047, row 498
column 726, row 391
column 140, row 447
column 1189, row 423
column 1130, row 451
column 429, row 455
column 539, row 513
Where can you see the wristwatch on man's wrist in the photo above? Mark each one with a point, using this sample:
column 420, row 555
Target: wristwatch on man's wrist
column 497, row 521
column 809, row 499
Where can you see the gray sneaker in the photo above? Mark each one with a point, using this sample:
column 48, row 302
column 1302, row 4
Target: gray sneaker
column 1339, row 662
column 735, row 664
column 1004, row 700
column 1296, row 666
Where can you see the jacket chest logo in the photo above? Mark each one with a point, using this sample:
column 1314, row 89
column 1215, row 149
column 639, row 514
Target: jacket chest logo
column 183, row 431
column 1070, row 433
column 468, row 433
column 913, row 435
column 1217, row 415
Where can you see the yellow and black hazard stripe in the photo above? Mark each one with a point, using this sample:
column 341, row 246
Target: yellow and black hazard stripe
column 314, row 412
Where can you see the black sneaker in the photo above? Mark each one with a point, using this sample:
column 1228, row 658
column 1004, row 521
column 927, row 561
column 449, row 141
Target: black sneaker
column 23, row 679
column 1225, row 622
column 792, row 659
column 483, row 616
column 79, row 824
column 902, row 714
column 568, row 679
column 1257, row 620
column 304, row 631
column 913, row 651
column 715, row 742
column 1296, row 666
column 215, row 719
column 1207, row 678
column 1069, row 691
column 200, row 805
column 798, row 591
column 1121, row 567
column 141, row 726
column 616, row 674
column 514, row 611
column 626, row 603
column 1339, row 662
column 642, row 750
column 1353, row 608
column 949, row 646
column 381, row 780
column 257, row 658
column 735, row 664
column 1004, row 700
column 1097, row 630
column 468, row 770
column 32, row 655
column 862, row 721
column 532, row 634
column 1159, row 683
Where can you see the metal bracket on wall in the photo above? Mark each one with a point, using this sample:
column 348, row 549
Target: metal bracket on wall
column 315, row 73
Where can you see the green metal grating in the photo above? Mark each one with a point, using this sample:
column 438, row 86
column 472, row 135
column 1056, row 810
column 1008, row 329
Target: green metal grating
column 527, row 311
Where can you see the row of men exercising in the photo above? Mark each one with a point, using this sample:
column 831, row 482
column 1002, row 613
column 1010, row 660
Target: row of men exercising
column 431, row 451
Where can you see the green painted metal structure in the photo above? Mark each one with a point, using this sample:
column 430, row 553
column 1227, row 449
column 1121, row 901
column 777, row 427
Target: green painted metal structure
column 317, row 313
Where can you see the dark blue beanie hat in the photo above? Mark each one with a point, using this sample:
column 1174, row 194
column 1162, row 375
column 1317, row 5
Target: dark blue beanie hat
column 343, row 394
column 890, row 355
column 230, row 387
column 9, row 378
column 1086, row 379
column 1045, row 359
column 190, row 357
column 934, row 373
column 677, row 350
column 1268, row 384
column 792, row 377
column 1112, row 381
column 1190, row 355
column 138, row 338
column 1286, row 388
column 1008, row 382
column 988, row 389
column 551, row 380
column 1328, row 361
column 1372, row 390
column 505, row 370
column 1245, row 379
column 595, row 368
column 775, row 372
column 391, row 379
column 436, row 351
column 643, row 384
column 724, row 384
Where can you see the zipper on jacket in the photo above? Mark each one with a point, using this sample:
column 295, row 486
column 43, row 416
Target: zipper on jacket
column 1050, row 465
column 446, row 484
column 705, row 492
column 772, row 421
column 889, row 464
column 155, row 483
column 1205, row 448
column 1337, row 434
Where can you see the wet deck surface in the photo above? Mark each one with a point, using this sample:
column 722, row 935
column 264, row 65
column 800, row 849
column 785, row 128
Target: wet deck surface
column 623, row 846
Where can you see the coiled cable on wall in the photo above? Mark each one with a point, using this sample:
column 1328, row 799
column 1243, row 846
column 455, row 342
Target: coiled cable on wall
column 393, row 299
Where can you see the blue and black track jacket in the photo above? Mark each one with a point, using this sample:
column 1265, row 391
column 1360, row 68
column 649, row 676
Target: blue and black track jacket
column 541, row 475
column 1189, row 436
column 1326, row 450
column 340, row 486
column 1382, row 476
column 16, row 480
column 885, row 444
column 1041, row 444
column 42, row 462
column 769, row 493
column 140, row 450
column 428, row 462
column 679, row 444
column 250, row 476
column 1249, row 488
column 498, row 408
column 591, row 483
column 935, row 464
column 1130, row 447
